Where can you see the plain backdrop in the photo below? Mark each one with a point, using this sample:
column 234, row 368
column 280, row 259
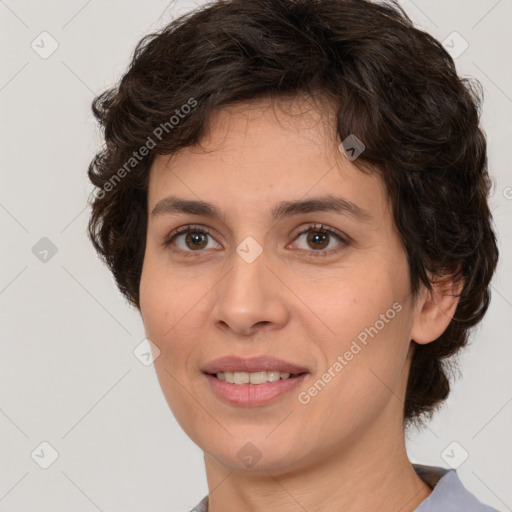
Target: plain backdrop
column 69, row 378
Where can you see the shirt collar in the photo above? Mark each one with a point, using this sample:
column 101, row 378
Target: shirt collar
column 448, row 492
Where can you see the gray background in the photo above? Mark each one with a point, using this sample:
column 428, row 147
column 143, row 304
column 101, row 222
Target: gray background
column 68, row 373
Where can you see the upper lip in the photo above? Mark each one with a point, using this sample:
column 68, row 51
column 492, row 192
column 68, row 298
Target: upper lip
column 252, row 364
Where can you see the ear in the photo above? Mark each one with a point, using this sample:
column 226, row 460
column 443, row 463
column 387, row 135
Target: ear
column 435, row 309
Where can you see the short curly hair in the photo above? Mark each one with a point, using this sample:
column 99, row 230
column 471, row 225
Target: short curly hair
column 393, row 85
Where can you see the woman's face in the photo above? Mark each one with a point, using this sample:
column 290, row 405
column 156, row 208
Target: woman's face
column 333, row 302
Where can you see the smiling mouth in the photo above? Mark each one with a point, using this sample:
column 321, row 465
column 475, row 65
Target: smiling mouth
column 262, row 377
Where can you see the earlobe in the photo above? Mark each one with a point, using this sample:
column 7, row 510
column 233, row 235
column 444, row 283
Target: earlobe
column 435, row 309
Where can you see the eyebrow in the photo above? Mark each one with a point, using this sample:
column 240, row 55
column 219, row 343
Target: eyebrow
column 174, row 205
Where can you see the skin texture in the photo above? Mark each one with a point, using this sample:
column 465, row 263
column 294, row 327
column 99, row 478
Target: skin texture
column 345, row 449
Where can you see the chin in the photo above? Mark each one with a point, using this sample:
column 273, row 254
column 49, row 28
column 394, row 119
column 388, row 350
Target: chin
column 258, row 455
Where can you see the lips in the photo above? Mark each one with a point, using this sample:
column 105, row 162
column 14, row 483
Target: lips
column 251, row 365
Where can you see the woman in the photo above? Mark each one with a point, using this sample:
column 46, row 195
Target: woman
column 294, row 196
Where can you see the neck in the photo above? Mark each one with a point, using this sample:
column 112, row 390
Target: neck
column 362, row 474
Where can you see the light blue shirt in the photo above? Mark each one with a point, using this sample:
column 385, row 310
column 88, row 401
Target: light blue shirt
column 448, row 494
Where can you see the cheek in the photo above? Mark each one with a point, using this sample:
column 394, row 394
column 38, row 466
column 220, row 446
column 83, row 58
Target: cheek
column 160, row 294
column 363, row 333
column 163, row 302
column 167, row 304
column 174, row 311
column 154, row 307
column 351, row 302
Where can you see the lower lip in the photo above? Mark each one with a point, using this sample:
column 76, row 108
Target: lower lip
column 253, row 395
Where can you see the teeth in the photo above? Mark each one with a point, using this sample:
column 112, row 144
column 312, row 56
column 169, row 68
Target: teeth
column 253, row 378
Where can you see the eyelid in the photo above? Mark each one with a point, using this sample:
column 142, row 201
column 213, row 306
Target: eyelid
column 185, row 229
column 322, row 227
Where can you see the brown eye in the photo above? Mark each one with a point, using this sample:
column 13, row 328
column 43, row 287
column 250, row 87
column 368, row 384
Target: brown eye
column 319, row 240
column 195, row 240
column 189, row 239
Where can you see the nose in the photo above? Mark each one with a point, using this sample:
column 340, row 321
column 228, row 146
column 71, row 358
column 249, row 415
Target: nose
column 250, row 297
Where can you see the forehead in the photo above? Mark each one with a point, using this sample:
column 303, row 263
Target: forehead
column 257, row 154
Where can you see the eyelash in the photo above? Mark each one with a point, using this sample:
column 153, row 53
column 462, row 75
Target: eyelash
column 345, row 240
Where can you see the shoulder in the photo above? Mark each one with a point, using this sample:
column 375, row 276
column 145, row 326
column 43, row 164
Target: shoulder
column 449, row 494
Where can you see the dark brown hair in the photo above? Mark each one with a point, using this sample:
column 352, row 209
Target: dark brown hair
column 394, row 87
